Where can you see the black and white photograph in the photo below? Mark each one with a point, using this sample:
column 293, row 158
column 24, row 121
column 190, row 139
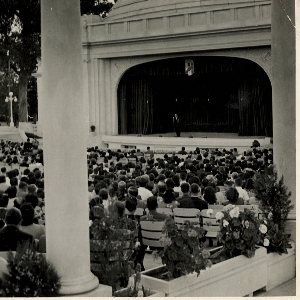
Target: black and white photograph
column 148, row 148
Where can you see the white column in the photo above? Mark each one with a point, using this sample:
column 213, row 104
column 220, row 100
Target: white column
column 284, row 94
column 101, row 101
column 67, row 229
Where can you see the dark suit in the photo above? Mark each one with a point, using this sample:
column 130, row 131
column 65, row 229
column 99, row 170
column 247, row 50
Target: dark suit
column 11, row 237
column 185, row 202
column 199, row 203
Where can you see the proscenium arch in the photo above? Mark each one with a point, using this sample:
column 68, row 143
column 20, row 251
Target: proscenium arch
column 247, row 101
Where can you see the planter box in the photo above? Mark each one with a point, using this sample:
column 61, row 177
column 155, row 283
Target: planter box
column 281, row 268
column 123, row 293
column 239, row 276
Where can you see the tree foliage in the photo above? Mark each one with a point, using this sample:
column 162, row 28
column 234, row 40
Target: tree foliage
column 20, row 42
column 96, row 7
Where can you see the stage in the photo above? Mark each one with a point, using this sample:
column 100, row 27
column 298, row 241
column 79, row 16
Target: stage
column 190, row 140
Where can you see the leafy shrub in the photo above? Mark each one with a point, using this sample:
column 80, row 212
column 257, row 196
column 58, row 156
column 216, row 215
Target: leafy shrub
column 30, row 275
column 183, row 251
column 275, row 205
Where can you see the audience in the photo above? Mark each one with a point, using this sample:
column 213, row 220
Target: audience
column 11, row 237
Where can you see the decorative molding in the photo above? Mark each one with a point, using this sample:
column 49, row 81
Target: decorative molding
column 261, row 56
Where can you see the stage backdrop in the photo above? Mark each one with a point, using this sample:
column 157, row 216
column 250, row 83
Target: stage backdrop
column 223, row 95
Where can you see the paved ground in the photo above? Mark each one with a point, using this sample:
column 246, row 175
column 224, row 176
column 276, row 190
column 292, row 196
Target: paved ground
column 9, row 134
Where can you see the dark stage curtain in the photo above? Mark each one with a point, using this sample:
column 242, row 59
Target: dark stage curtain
column 135, row 101
column 223, row 95
column 255, row 112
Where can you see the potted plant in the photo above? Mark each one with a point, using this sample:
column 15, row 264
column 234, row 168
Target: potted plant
column 275, row 205
column 184, row 258
column 133, row 288
column 112, row 245
column 30, row 275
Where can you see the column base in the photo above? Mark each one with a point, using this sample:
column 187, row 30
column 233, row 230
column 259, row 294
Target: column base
column 80, row 285
column 100, row 291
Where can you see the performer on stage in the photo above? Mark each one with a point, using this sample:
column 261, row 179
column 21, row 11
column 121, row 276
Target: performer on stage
column 176, row 125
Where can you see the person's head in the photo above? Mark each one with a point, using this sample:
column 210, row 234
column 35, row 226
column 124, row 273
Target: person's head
column 14, row 181
column 143, row 181
column 13, row 216
column 232, row 195
column 103, row 194
column 3, row 170
column 131, row 204
column 195, row 189
column 183, row 176
column 120, row 208
column 238, row 182
column 24, row 179
column 148, row 148
column 32, row 189
column 169, row 196
column 23, row 186
column 27, row 214
column 170, row 183
column 11, row 192
column 210, row 195
column 227, row 185
column 121, row 185
column 32, row 199
column 185, row 188
column 91, row 186
column 152, row 203
column 133, row 191
column 161, row 178
column 161, row 189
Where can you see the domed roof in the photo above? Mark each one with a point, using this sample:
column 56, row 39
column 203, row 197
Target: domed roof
column 132, row 9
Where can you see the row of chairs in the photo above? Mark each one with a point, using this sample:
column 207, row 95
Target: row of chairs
column 152, row 231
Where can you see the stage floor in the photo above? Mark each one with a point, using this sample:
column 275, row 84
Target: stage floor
column 168, row 141
column 218, row 135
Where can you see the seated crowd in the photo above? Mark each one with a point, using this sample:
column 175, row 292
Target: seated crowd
column 127, row 180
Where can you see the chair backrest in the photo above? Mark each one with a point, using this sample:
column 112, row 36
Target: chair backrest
column 165, row 210
column 151, row 232
column 139, row 211
column 132, row 159
column 216, row 207
column 181, row 215
column 147, row 156
column 210, row 223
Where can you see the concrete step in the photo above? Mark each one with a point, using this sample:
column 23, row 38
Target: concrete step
column 10, row 134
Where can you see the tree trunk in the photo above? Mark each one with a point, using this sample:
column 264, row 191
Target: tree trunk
column 23, row 83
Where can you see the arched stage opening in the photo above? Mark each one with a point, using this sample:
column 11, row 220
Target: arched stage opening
column 224, row 94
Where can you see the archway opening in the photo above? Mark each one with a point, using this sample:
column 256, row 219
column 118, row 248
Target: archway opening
column 223, row 94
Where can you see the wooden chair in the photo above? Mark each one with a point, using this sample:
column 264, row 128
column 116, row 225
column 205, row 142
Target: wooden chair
column 216, row 207
column 165, row 210
column 181, row 215
column 132, row 159
column 147, row 156
column 139, row 212
column 151, row 232
column 211, row 225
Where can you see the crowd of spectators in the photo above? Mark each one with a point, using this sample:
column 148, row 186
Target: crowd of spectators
column 129, row 180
